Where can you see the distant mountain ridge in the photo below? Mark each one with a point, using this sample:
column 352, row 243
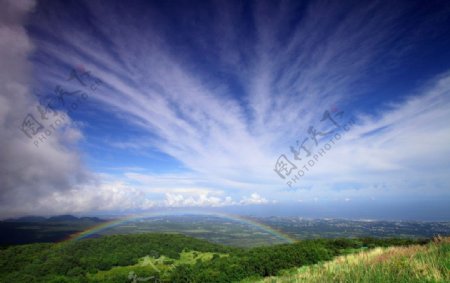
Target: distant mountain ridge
column 33, row 229
column 58, row 218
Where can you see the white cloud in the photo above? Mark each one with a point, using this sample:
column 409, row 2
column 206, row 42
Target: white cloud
column 114, row 196
column 27, row 172
column 202, row 200
column 254, row 199
column 408, row 157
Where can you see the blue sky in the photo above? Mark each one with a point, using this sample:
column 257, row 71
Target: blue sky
column 189, row 104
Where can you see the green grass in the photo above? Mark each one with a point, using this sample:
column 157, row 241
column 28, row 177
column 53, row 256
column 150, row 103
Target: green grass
column 429, row 263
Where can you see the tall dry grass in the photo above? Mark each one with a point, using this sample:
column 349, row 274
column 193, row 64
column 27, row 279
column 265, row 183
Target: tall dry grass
column 429, row 263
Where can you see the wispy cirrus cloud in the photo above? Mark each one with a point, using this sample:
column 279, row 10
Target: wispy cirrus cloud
column 226, row 90
column 400, row 151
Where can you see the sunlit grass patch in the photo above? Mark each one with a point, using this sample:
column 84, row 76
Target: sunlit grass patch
column 159, row 267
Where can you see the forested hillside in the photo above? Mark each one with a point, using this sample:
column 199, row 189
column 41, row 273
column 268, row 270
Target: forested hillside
column 166, row 258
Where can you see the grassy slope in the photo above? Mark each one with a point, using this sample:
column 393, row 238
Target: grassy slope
column 430, row 263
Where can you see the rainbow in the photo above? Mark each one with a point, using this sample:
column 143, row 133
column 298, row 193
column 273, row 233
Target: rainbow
column 241, row 219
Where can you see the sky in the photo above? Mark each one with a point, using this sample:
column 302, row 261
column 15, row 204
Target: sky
column 300, row 108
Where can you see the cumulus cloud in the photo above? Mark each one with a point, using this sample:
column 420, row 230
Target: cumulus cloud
column 254, row 199
column 28, row 172
column 203, row 200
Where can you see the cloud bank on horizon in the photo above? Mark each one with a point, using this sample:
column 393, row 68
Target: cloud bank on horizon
column 194, row 102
